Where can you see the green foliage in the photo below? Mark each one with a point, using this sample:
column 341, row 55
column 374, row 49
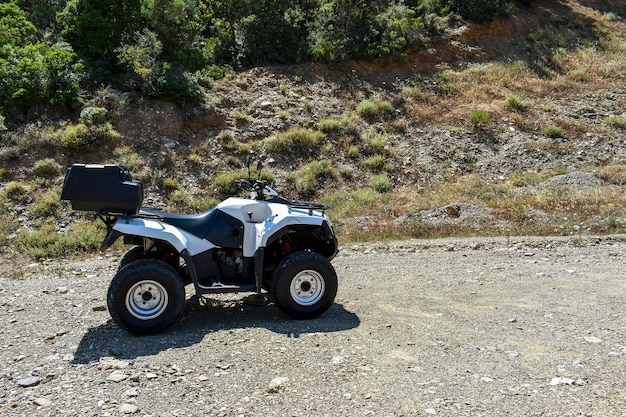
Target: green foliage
column 480, row 11
column 93, row 115
column 16, row 191
column 371, row 109
column 381, row 183
column 171, row 184
column 516, row 103
column 553, row 132
column 80, row 137
column 46, row 204
column 616, row 121
column 33, row 72
column 311, row 175
column 294, row 140
column 375, row 163
column 95, row 29
column 329, row 125
column 46, row 168
column 45, row 242
column 374, row 143
column 479, row 118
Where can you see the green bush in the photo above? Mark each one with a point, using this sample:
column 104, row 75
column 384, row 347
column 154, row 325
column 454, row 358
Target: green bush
column 375, row 163
column 480, row 11
column 45, row 242
column 93, row 115
column 46, row 168
column 479, row 118
column 311, row 175
column 374, row 143
column 553, row 132
column 80, row 137
column 516, row 103
column 294, row 140
column 46, row 204
column 367, row 109
column 381, row 183
column 16, row 191
column 171, row 184
column 329, row 125
column 370, row 109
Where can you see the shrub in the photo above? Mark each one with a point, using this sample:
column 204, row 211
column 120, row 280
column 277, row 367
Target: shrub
column 171, row 184
column 46, row 168
column 329, row 125
column 195, row 159
column 242, row 117
column 81, row 237
column 553, row 132
column 228, row 143
column 309, row 177
column 354, row 152
column 616, row 121
column 375, row 163
column 479, row 117
column 93, row 115
column 369, row 109
column 294, row 140
column 374, row 143
column 81, row 138
column 516, row 103
column 16, row 191
column 380, row 183
column 46, row 205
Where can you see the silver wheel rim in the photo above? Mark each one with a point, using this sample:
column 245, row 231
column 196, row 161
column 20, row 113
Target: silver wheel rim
column 307, row 287
column 146, row 299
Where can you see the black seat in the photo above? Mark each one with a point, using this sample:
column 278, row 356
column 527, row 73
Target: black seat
column 196, row 224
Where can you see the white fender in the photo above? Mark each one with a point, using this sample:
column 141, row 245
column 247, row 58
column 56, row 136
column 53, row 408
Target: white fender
column 157, row 230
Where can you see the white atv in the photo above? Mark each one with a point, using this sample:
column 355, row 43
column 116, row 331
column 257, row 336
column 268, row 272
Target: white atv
column 263, row 242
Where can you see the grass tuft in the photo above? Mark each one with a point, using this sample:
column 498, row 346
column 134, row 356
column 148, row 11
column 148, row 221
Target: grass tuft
column 294, row 140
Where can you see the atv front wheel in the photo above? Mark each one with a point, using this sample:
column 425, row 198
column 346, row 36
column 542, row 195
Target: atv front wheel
column 146, row 296
column 304, row 285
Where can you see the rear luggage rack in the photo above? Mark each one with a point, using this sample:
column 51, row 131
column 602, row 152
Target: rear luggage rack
column 307, row 206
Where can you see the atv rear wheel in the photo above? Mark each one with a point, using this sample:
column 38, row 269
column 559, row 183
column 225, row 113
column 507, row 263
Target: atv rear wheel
column 146, row 296
column 304, row 285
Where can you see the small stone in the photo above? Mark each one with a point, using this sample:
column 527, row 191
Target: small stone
column 117, row 376
column 337, row 360
column 486, row 379
column 101, row 307
column 276, row 384
column 43, row 402
column 30, row 381
column 132, row 392
column 593, row 339
column 566, row 381
column 127, row 408
column 202, row 378
column 151, row 375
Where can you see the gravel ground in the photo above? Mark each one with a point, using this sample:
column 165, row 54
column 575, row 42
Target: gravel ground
column 464, row 327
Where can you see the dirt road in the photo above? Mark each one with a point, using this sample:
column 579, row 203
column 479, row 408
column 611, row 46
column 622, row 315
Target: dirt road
column 467, row 327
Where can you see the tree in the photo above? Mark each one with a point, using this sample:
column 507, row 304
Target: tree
column 32, row 72
column 96, row 28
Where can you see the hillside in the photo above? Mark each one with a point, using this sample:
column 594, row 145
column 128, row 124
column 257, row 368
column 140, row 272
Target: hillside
column 513, row 127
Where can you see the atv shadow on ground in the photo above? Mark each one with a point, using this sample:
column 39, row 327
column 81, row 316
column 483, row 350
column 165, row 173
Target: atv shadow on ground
column 202, row 317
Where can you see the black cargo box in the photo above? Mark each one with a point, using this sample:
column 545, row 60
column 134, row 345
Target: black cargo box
column 102, row 188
